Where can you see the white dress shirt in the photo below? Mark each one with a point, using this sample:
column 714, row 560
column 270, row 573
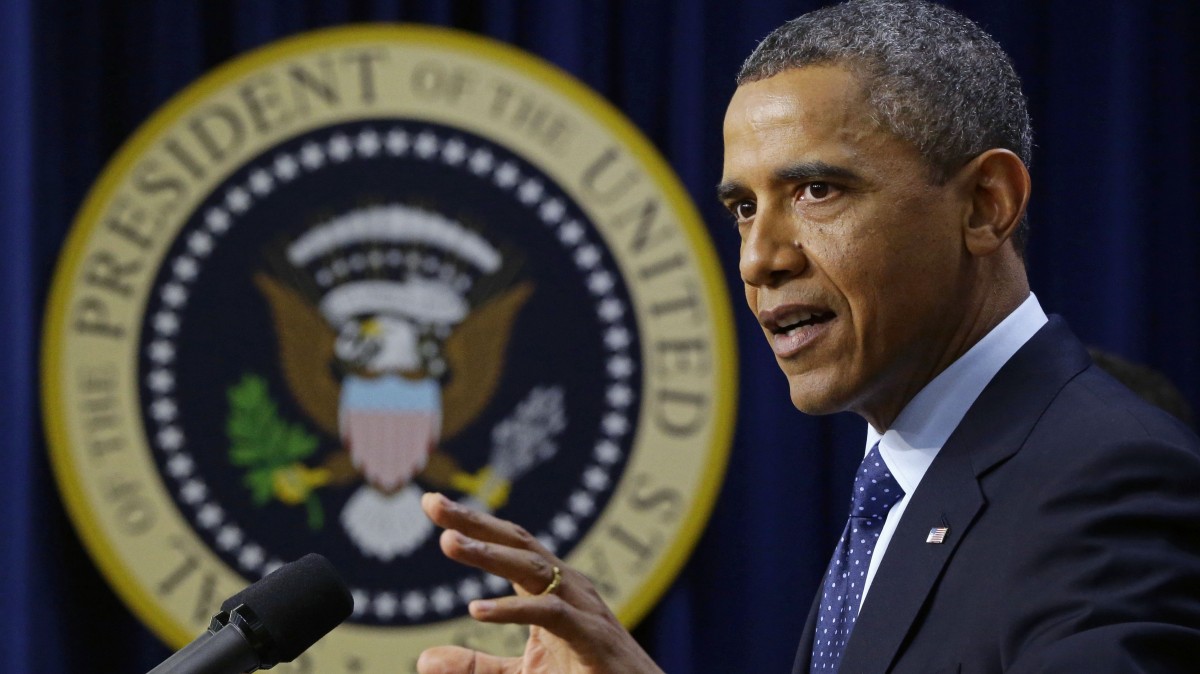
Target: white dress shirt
column 927, row 421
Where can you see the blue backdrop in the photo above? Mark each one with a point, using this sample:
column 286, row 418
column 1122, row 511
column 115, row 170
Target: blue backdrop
column 1114, row 88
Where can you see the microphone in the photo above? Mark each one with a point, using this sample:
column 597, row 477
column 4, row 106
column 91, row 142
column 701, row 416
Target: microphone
column 273, row 620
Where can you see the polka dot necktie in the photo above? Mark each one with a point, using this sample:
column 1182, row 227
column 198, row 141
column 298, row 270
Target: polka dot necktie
column 875, row 492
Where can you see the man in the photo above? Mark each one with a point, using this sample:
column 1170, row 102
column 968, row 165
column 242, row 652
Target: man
column 1017, row 509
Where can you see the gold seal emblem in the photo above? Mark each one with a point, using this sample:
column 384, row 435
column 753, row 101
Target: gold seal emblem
column 363, row 263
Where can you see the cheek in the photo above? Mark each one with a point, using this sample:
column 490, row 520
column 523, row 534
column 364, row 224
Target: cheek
column 857, row 269
column 752, row 299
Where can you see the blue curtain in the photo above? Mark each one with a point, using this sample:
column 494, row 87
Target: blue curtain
column 1114, row 87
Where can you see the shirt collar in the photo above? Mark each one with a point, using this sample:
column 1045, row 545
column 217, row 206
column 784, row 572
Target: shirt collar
column 927, row 421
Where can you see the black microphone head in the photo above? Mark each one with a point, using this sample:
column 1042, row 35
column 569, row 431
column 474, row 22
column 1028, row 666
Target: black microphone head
column 297, row 604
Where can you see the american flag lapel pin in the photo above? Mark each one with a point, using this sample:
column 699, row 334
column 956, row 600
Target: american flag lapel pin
column 937, row 535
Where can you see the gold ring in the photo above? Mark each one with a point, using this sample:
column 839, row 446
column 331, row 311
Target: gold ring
column 554, row 582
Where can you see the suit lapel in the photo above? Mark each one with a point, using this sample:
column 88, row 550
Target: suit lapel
column 949, row 495
column 911, row 566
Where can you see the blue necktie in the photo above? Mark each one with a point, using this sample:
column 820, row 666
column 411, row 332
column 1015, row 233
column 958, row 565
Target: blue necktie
column 875, row 492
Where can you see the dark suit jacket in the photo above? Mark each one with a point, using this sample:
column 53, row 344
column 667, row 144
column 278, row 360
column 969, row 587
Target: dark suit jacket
column 1074, row 535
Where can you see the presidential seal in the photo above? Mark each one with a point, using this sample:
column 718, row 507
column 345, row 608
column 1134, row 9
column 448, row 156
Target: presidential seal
column 362, row 264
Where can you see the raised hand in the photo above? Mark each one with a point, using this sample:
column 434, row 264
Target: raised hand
column 572, row 631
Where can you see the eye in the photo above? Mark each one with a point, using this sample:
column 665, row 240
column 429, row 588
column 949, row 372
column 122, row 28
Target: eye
column 817, row 191
column 743, row 210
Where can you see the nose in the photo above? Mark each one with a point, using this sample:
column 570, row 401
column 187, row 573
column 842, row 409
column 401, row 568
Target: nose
column 771, row 252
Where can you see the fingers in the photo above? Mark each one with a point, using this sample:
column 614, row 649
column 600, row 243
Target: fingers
column 571, row 620
column 481, row 526
column 530, row 570
column 455, row 660
column 550, row 611
column 491, row 544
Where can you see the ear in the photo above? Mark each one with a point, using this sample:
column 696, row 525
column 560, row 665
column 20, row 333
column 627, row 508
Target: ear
column 999, row 185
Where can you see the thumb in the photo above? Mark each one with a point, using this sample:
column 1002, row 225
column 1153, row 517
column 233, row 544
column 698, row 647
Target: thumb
column 456, row 660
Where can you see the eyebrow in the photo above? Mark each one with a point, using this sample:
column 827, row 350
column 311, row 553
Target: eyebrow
column 798, row 172
column 728, row 189
column 811, row 170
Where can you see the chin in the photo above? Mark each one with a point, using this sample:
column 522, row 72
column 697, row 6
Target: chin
column 815, row 397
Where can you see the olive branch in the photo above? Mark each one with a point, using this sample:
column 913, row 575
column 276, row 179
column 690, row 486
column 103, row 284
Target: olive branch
column 271, row 450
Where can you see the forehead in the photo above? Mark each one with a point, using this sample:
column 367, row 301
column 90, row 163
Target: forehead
column 808, row 93
column 814, row 109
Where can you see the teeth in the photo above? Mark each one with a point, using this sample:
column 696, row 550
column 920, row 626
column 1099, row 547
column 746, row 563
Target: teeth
column 792, row 320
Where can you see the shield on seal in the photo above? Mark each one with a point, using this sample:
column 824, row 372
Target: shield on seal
column 390, row 425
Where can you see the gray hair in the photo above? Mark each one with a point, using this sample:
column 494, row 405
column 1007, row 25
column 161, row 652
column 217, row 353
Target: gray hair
column 933, row 77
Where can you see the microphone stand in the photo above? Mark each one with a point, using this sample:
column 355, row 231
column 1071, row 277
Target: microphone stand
column 230, row 646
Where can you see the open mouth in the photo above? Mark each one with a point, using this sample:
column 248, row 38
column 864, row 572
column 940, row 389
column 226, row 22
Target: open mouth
column 795, row 321
column 792, row 327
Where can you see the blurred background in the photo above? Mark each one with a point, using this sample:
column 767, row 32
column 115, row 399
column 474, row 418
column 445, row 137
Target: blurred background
column 1115, row 248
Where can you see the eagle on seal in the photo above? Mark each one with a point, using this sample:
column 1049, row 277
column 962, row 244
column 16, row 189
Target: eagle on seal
column 393, row 323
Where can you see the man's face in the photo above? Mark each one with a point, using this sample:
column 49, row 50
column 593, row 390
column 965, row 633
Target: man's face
column 852, row 259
